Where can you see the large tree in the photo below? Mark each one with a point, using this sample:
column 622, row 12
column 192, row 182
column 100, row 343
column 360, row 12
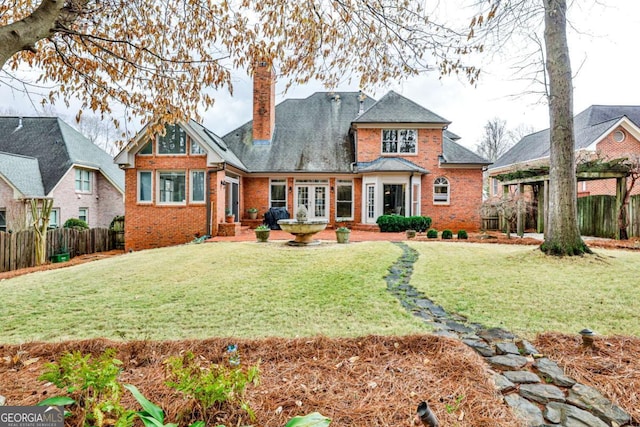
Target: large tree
column 159, row 57
column 502, row 20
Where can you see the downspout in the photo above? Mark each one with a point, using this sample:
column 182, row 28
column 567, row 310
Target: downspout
column 411, row 195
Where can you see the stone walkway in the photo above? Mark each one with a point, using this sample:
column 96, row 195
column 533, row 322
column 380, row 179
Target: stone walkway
column 534, row 386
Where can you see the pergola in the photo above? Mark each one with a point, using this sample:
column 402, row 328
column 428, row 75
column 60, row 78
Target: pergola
column 538, row 177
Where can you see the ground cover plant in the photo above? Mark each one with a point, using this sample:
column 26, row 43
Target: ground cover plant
column 518, row 288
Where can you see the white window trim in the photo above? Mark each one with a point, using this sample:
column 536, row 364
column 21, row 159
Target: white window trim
column 57, row 212
column 398, row 152
column 448, row 201
column 79, row 171
column 86, row 214
column 337, row 184
column 191, row 186
column 286, row 192
column 158, row 198
column 146, row 202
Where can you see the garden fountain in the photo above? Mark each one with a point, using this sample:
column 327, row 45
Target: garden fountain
column 303, row 228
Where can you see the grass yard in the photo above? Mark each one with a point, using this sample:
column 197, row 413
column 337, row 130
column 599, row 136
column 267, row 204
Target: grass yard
column 522, row 290
column 220, row 289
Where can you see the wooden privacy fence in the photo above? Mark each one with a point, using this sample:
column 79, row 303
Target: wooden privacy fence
column 17, row 250
column 597, row 216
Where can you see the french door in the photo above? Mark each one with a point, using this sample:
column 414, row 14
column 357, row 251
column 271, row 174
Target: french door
column 314, row 198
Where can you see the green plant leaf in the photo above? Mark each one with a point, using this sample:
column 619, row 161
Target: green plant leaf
column 202, row 424
column 314, row 419
column 57, row 401
column 150, row 408
column 148, row 420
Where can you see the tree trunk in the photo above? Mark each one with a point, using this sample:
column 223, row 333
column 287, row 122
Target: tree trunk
column 563, row 235
column 40, row 217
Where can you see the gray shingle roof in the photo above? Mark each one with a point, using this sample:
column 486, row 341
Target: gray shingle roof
column 588, row 126
column 311, row 135
column 390, row 164
column 454, row 153
column 23, row 173
column 56, row 146
column 217, row 144
column 395, row 108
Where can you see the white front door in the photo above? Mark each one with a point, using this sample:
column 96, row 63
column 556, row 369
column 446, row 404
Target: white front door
column 314, row 198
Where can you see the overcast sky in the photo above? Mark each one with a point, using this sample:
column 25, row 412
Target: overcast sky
column 604, row 59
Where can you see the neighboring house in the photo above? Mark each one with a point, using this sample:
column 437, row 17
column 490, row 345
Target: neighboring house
column 43, row 157
column 604, row 131
column 343, row 155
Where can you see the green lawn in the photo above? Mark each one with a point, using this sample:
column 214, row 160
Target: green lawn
column 522, row 290
column 214, row 289
column 256, row 290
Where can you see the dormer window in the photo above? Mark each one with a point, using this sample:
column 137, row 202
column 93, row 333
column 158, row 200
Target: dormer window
column 399, row 141
column 174, row 140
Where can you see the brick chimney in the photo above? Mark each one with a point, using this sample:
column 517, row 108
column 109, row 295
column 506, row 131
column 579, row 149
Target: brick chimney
column 264, row 102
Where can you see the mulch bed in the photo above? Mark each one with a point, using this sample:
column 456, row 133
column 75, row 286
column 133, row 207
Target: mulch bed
column 612, row 365
column 368, row 381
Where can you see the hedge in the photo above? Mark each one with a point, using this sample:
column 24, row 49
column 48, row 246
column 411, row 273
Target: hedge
column 395, row 223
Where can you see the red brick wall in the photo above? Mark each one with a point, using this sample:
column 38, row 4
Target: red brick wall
column 148, row 225
column 15, row 210
column 264, row 95
column 465, row 185
column 255, row 194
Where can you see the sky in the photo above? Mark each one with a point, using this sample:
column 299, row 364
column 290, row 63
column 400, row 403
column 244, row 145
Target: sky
column 605, row 64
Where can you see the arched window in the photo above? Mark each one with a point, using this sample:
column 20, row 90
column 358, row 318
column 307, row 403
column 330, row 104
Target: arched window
column 441, row 191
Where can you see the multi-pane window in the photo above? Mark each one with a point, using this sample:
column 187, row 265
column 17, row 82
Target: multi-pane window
column 83, row 214
column 171, row 186
column 371, row 199
column 3, row 220
column 441, row 190
column 278, row 193
column 344, row 199
column 402, row 141
column 196, row 148
column 83, row 180
column 147, row 149
column 174, row 140
column 197, row 186
column 144, row 186
column 54, row 218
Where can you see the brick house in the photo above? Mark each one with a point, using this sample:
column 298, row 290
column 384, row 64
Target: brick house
column 343, row 155
column 44, row 157
column 604, row 131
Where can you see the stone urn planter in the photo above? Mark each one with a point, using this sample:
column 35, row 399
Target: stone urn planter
column 262, row 233
column 253, row 213
column 411, row 234
column 343, row 234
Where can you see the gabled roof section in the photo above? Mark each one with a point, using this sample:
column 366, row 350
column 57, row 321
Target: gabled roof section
column 311, row 135
column 390, row 164
column 395, row 108
column 217, row 144
column 455, row 154
column 23, row 173
column 57, row 147
column 589, row 126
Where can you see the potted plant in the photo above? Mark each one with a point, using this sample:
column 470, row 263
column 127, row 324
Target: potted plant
column 253, row 213
column 262, row 233
column 228, row 214
column 342, row 234
column 410, row 233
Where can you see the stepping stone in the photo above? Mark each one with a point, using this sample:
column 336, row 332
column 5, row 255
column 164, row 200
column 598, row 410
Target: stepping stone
column 542, row 393
column 507, row 348
column 502, row 383
column 510, row 361
column 522, row 377
column 586, row 397
column 530, row 413
column 480, row 346
column 551, row 370
column 570, row 416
